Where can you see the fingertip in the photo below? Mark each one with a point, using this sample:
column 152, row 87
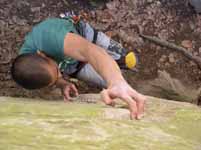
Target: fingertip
column 65, row 100
column 133, row 116
column 112, row 104
column 140, row 116
column 141, row 106
column 106, row 98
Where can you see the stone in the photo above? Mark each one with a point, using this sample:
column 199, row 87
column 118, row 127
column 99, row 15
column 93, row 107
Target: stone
column 149, row 1
column 21, row 21
column 163, row 58
column 192, row 63
column 195, row 53
column 187, row 44
column 163, row 34
column 35, row 9
column 200, row 50
column 192, row 25
column 158, row 3
column 34, row 124
column 171, row 58
column 93, row 14
column 113, row 5
column 167, row 64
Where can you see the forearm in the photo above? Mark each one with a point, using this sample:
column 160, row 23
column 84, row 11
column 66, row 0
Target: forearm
column 94, row 55
column 103, row 64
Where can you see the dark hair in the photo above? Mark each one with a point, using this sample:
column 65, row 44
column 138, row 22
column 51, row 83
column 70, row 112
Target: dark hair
column 28, row 70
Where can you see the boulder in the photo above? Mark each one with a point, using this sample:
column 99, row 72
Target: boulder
column 38, row 124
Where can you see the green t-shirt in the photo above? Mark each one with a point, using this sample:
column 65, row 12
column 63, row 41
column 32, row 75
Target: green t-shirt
column 48, row 37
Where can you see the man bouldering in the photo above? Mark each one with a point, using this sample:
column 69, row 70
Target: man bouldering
column 69, row 47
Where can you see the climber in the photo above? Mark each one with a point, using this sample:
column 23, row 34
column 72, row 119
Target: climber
column 59, row 48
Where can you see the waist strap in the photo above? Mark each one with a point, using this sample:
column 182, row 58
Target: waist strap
column 95, row 36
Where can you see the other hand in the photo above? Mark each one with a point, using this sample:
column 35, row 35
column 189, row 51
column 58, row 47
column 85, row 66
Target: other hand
column 124, row 91
column 68, row 90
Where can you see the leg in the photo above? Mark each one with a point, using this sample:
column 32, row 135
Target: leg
column 90, row 76
column 87, row 73
column 124, row 58
column 112, row 47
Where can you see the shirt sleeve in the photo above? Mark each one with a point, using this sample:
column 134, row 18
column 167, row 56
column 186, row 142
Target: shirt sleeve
column 28, row 46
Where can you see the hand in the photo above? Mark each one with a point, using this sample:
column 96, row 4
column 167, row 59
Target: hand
column 122, row 90
column 68, row 90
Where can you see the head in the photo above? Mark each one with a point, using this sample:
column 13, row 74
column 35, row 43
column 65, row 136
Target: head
column 34, row 71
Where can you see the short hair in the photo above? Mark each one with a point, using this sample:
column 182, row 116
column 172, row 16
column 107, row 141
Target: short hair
column 28, row 70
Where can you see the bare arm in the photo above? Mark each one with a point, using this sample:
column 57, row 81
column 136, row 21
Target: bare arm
column 77, row 47
column 83, row 50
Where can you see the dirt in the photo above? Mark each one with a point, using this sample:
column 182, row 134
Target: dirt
column 172, row 20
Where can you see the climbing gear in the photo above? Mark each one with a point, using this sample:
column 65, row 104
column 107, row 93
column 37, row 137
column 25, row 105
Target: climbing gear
column 131, row 60
column 71, row 15
column 78, row 23
column 75, row 19
column 125, row 59
column 117, row 48
column 128, row 59
column 95, row 36
column 70, row 67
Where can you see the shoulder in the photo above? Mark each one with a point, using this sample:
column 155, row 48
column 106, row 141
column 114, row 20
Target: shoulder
column 28, row 45
column 54, row 22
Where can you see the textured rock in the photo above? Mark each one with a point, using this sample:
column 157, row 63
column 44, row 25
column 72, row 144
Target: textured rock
column 172, row 20
column 32, row 124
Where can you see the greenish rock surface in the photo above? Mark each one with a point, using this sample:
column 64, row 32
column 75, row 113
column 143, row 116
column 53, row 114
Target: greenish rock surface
column 27, row 124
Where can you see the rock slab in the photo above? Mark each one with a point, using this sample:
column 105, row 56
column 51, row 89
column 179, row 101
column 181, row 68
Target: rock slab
column 37, row 124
